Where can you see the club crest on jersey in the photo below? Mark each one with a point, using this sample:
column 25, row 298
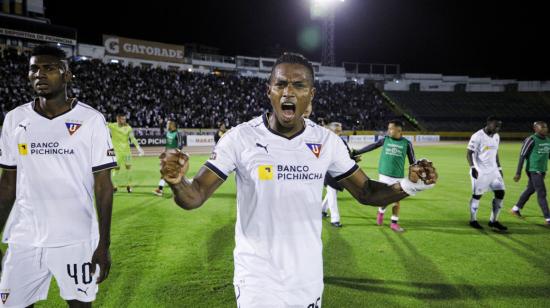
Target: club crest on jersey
column 315, row 148
column 4, row 296
column 111, row 152
column 72, row 127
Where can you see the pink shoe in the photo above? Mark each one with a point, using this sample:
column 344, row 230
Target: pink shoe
column 395, row 227
column 380, row 218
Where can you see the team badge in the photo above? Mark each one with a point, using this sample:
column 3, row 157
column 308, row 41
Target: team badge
column 265, row 172
column 4, row 296
column 72, row 127
column 23, row 149
column 315, row 148
column 111, row 152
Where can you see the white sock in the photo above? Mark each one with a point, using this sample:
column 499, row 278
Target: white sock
column 394, row 218
column 381, row 210
column 497, row 205
column 474, row 205
column 162, row 182
column 515, row 208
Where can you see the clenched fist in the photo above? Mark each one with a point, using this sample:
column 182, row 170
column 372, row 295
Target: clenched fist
column 423, row 170
column 173, row 165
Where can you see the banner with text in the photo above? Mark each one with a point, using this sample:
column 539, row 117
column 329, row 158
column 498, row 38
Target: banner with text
column 146, row 50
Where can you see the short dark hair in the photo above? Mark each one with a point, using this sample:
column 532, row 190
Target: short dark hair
column 396, row 122
column 294, row 58
column 120, row 112
column 49, row 50
column 492, row 118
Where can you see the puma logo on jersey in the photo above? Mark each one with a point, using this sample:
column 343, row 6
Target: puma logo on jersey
column 24, row 126
column 83, row 291
column 263, row 146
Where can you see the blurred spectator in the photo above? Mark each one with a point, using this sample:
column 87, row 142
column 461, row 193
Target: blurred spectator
column 149, row 96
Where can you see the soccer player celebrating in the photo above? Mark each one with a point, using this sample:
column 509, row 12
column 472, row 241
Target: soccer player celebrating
column 391, row 165
column 122, row 133
column 56, row 154
column 485, row 171
column 172, row 142
column 280, row 160
column 536, row 150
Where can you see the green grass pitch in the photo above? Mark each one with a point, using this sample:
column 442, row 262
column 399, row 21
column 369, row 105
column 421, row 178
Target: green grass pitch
column 164, row 256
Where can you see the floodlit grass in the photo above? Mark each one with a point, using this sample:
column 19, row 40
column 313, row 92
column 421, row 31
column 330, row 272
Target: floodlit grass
column 164, row 256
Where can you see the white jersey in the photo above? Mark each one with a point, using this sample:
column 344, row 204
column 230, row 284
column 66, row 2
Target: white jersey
column 279, row 189
column 485, row 150
column 55, row 160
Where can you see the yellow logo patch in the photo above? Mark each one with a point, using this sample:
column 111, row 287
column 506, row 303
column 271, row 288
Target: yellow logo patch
column 23, row 149
column 265, row 172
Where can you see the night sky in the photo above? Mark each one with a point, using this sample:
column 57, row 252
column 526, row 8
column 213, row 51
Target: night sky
column 499, row 39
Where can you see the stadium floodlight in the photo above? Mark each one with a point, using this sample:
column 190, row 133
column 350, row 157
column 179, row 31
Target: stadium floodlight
column 324, row 10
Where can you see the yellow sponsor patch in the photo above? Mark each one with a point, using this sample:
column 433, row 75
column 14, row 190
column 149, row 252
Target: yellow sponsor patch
column 265, row 172
column 23, row 149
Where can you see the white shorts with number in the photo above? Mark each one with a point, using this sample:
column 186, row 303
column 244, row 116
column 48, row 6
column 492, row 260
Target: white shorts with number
column 388, row 179
column 487, row 181
column 27, row 272
column 264, row 297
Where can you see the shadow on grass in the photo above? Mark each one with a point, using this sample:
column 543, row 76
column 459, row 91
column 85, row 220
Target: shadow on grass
column 437, row 291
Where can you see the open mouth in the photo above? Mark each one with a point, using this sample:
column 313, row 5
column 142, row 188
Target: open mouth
column 289, row 110
column 41, row 85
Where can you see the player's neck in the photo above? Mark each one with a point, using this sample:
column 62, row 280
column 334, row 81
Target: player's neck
column 285, row 131
column 487, row 132
column 54, row 106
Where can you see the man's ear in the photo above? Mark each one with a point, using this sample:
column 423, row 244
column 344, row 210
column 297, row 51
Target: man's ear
column 67, row 76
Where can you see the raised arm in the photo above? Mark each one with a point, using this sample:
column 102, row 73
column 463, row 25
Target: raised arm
column 188, row 194
column 368, row 192
column 370, row 147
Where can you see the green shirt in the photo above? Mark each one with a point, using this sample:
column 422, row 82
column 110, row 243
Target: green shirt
column 121, row 135
column 172, row 140
column 537, row 160
column 392, row 158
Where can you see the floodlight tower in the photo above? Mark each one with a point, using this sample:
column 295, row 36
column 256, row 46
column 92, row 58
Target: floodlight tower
column 324, row 10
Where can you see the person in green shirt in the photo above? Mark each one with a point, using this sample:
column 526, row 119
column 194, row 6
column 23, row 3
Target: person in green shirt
column 122, row 134
column 536, row 151
column 391, row 166
column 173, row 141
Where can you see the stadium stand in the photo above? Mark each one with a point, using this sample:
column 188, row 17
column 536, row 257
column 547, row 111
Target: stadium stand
column 151, row 95
column 466, row 111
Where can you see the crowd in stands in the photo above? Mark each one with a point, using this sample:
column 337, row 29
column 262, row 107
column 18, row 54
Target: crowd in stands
column 150, row 96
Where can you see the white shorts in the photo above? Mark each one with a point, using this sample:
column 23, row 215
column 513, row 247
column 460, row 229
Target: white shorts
column 487, row 181
column 264, row 297
column 27, row 272
column 388, row 179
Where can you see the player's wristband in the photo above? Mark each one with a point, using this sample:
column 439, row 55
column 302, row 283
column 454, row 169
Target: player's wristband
column 411, row 188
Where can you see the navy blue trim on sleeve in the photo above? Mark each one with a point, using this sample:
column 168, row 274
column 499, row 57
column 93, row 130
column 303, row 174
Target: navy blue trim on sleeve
column 347, row 173
column 8, row 167
column 217, row 171
column 104, row 166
